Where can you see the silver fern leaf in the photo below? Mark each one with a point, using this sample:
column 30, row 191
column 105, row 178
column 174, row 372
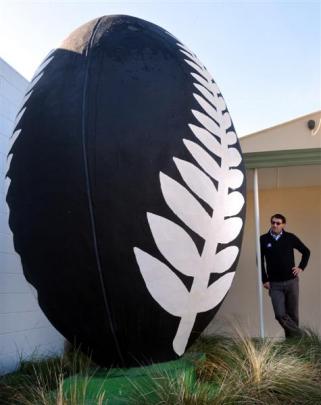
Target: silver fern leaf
column 163, row 284
column 185, row 258
column 197, row 181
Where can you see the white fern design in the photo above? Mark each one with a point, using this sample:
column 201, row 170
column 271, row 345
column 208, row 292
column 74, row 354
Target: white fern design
column 173, row 241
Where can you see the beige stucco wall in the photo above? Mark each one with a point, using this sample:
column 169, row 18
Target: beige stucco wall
column 291, row 135
column 302, row 207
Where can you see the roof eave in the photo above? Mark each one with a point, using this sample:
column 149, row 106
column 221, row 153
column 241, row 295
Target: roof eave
column 281, row 158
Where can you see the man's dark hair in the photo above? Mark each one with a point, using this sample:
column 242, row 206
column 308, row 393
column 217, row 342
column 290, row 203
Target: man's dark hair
column 279, row 216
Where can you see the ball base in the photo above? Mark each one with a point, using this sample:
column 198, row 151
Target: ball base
column 122, row 386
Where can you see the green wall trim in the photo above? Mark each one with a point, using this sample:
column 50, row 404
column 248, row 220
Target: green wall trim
column 279, row 158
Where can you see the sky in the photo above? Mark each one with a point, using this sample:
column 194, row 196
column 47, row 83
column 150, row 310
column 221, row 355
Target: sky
column 264, row 55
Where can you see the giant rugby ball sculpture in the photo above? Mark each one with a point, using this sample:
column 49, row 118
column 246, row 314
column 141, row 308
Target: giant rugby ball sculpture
column 126, row 191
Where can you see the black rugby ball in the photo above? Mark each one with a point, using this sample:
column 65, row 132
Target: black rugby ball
column 127, row 192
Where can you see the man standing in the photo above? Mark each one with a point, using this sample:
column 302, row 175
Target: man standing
column 280, row 275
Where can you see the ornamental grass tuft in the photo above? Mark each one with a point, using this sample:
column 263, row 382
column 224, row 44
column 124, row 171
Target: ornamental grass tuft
column 238, row 370
column 261, row 371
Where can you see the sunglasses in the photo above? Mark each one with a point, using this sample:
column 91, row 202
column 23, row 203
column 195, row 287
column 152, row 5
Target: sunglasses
column 276, row 223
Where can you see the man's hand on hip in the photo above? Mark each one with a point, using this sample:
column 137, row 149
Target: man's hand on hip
column 266, row 285
column 296, row 271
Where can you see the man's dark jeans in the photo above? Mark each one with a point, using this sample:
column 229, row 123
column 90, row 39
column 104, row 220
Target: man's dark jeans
column 285, row 301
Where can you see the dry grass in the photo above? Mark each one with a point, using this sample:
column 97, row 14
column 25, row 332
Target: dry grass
column 236, row 371
column 36, row 380
column 261, row 371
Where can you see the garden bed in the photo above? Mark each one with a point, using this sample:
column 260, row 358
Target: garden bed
column 233, row 371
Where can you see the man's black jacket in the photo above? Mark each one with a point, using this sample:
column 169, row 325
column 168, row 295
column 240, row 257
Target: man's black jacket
column 279, row 256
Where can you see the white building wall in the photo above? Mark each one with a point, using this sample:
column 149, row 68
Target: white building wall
column 24, row 330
